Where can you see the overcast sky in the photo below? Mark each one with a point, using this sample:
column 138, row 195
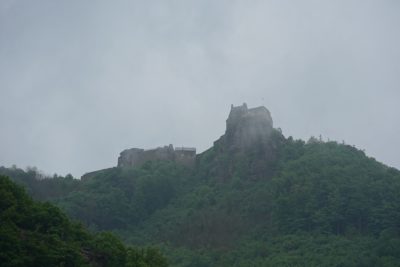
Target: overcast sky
column 82, row 80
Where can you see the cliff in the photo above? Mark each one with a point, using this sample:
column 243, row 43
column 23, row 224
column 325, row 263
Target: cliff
column 246, row 129
column 249, row 147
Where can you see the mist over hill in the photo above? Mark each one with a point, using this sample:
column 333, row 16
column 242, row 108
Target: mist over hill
column 120, row 146
column 255, row 198
column 82, row 81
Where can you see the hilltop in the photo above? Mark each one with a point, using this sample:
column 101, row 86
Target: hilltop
column 255, row 198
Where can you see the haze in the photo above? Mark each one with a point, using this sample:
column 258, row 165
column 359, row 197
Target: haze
column 82, row 80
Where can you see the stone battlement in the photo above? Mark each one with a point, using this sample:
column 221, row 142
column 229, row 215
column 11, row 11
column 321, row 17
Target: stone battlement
column 136, row 156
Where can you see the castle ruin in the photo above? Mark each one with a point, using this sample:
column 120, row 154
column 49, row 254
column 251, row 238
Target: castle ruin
column 248, row 127
column 136, row 156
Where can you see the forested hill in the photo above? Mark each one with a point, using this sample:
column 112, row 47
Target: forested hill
column 39, row 234
column 255, row 198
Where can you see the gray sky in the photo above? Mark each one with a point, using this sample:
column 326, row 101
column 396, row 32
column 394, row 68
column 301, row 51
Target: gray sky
column 82, row 80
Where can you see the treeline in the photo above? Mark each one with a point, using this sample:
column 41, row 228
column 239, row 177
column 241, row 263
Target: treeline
column 309, row 203
column 39, row 185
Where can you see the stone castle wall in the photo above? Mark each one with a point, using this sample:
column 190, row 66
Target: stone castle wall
column 136, row 157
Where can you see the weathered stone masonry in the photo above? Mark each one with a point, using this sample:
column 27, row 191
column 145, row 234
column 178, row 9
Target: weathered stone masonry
column 136, row 156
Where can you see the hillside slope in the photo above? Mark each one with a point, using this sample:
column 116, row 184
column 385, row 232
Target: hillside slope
column 39, row 234
column 255, row 198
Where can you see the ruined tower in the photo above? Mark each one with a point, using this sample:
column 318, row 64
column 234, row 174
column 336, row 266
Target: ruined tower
column 248, row 127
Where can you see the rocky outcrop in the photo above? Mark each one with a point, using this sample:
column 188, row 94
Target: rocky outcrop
column 249, row 140
column 136, row 156
column 246, row 128
column 250, row 146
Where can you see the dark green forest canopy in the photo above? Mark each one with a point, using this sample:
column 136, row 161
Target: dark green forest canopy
column 39, row 234
column 307, row 204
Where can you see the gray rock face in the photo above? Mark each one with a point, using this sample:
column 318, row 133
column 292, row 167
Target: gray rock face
column 250, row 146
column 248, row 127
column 136, row 156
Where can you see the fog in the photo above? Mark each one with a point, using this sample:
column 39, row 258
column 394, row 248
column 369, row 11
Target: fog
column 82, row 80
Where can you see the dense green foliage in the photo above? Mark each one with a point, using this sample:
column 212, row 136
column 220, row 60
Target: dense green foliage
column 119, row 197
column 298, row 204
column 39, row 234
column 40, row 186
